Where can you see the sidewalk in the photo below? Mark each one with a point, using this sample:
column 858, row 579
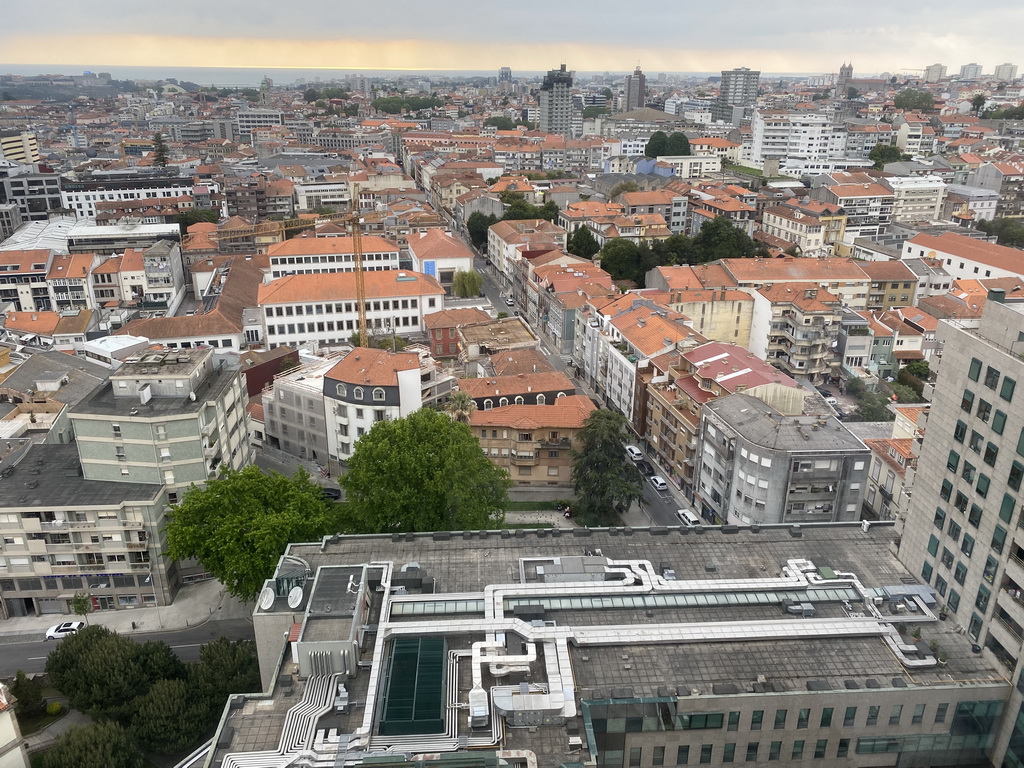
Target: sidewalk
column 634, row 518
column 194, row 604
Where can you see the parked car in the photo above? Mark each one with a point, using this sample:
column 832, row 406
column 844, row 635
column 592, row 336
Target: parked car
column 333, row 494
column 687, row 517
column 645, row 468
column 509, row 303
column 824, row 392
column 60, row 631
column 658, row 483
column 634, row 453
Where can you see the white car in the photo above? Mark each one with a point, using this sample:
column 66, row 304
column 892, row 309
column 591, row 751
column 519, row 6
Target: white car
column 634, row 453
column 60, row 631
column 509, row 303
column 658, row 483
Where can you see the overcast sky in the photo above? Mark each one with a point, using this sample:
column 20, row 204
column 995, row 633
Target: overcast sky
column 527, row 35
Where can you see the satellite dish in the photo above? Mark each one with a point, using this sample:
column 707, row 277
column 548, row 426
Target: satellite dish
column 267, row 598
column 295, row 597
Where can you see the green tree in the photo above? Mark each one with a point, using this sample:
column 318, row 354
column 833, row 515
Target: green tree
column 394, row 105
column 621, row 259
column 720, row 239
column 99, row 671
column 423, row 472
column 29, row 694
column 852, row 93
column 159, row 662
column 885, row 153
column 169, row 718
column 678, row 249
column 678, row 144
column 239, row 524
column 592, row 112
column 855, row 388
column 583, row 243
column 224, row 667
column 311, row 94
column 519, row 208
column 919, row 368
column 978, row 103
column 1008, row 232
column 872, row 406
column 160, row 152
column 622, row 187
column 905, row 393
column 191, row 216
column 81, row 605
column 604, row 481
column 912, row 100
column 104, row 744
column 460, row 406
column 501, row 122
column 477, row 225
column 657, row 144
column 467, row 284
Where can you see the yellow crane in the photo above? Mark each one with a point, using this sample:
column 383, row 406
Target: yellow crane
column 357, row 263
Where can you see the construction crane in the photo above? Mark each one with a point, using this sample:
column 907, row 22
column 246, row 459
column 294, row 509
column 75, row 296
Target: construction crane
column 357, row 263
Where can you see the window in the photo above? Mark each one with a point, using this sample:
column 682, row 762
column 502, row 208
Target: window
column 967, row 545
column 991, row 377
column 752, row 748
column 780, row 718
column 953, row 461
column 729, row 753
column 357, row 393
column 960, row 574
column 1006, row 391
column 819, row 749
column 953, row 601
column 872, row 716
column 960, row 502
column 826, row 717
column 756, row 718
column 981, row 600
column 968, row 472
column 933, row 546
column 1020, row 443
column 734, row 721
column 802, row 718
column 798, row 750
column 983, row 484
column 850, row 717
column 974, row 627
column 926, row 572
column 991, row 568
column 918, row 717
column 959, row 431
column 658, row 757
column 940, row 585
column 940, row 518
column 991, row 452
column 974, row 517
column 1016, row 475
column 775, row 750
column 976, row 441
column 940, row 713
column 897, row 712
column 984, row 411
column 999, row 422
column 705, row 753
column 634, row 756
column 974, row 372
column 378, row 393
column 682, row 754
column 998, row 539
column 967, row 402
column 946, row 491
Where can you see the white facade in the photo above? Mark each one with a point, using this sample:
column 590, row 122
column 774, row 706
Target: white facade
column 309, row 196
column 780, row 135
column 83, row 202
column 693, row 166
column 325, row 255
column 916, row 198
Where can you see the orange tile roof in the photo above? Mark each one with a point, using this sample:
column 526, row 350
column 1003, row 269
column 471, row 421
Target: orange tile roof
column 981, row 251
column 809, row 297
column 452, row 318
column 373, row 367
column 435, row 243
column 25, row 260
column 342, row 285
column 512, row 362
column 567, row 412
column 520, row 384
column 306, row 246
column 41, row 323
column 74, row 266
column 773, row 270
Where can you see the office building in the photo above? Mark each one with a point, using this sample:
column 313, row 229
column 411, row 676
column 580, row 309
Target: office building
column 934, row 72
column 504, row 77
column 10, row 220
column 609, row 647
column 35, row 194
column 555, row 102
column 737, row 94
column 970, row 71
column 1006, row 73
column 635, row 90
column 19, row 147
column 82, row 196
column 962, row 534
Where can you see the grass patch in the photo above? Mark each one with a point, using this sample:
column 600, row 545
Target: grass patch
column 743, row 169
column 30, row 725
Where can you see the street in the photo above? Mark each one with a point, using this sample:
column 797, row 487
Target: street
column 30, row 656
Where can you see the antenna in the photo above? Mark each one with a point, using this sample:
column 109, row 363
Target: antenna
column 295, row 597
column 267, row 598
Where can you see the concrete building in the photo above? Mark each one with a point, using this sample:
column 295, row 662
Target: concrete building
column 555, row 102
column 437, row 253
column 759, row 466
column 893, row 284
column 969, row 204
column 966, row 257
column 10, row 220
column 800, row 136
column 970, row 71
column 1006, row 178
column 23, row 279
column 961, row 534
column 82, row 196
column 19, row 147
column 35, row 194
column 1005, row 73
column 853, row 692
column 327, row 255
column 805, row 232
column 868, row 207
column 294, row 414
column 737, row 93
column 916, row 198
column 635, row 92
column 934, row 72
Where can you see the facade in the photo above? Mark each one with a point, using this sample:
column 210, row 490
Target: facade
column 868, row 207
column 321, row 309
column 798, row 136
column 82, row 196
column 437, row 253
column 759, row 466
column 966, row 258
column 635, row 92
column 326, row 255
column 893, row 284
column 19, row 147
column 1006, row 178
column 804, row 231
column 1005, row 73
column 934, row 72
column 23, row 279
column 738, row 89
column 442, row 329
column 294, row 416
column 555, row 102
column 961, row 534
column 35, row 194
column 970, row 71
column 916, row 198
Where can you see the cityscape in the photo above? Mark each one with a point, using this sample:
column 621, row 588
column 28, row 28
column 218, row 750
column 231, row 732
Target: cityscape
column 511, row 417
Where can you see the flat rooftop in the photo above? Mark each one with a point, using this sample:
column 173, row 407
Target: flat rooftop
column 104, row 403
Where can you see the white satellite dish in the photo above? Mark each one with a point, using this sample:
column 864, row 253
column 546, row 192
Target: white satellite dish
column 295, row 597
column 267, row 598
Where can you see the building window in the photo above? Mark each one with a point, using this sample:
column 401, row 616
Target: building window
column 819, row 749
column 706, row 751
column 940, row 518
column 959, row 431
column 802, row 718
column 983, row 485
column 378, row 394
column 960, row 574
column 926, row 574
column 729, row 753
column 967, row 402
column 974, row 372
column 634, row 757
column 872, row 716
column 780, row 718
column 991, row 377
column 953, row 461
column 798, row 750
column 940, row 713
column 953, row 601
column 734, row 721
column 752, row 749
column 341, row 390
column 844, row 748
column 658, row 757
column 984, row 411
column 826, row 717
column 998, row 422
column 682, row 754
column 488, row 405
column 998, row 539
column 357, row 393
column 850, row 717
column 967, row 545
column 1006, row 391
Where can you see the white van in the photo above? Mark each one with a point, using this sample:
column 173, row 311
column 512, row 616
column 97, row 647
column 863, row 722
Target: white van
column 687, row 517
column 634, row 453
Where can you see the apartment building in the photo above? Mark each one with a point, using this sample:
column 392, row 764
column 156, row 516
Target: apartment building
column 737, row 93
column 555, row 102
column 1005, row 177
column 151, row 278
column 328, row 255
column 893, row 284
column 759, row 466
column 294, row 413
column 916, row 198
column 82, row 196
column 805, row 232
column 533, row 443
column 10, row 220
column 843, row 278
column 780, row 135
column 436, row 253
column 692, row 166
column 35, row 194
column 442, row 329
column 962, row 532
column 23, row 279
column 321, row 309
column 509, row 242
column 868, row 207
column 795, row 327
column 967, row 203
column 966, row 257
column 19, row 147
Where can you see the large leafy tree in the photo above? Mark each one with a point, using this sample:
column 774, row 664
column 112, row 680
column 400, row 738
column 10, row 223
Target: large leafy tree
column 885, row 153
column 720, row 239
column 519, row 208
column 192, row 216
column 160, row 152
column 477, row 224
column 657, row 145
column 169, row 718
column 501, row 122
column 239, row 524
column 224, row 667
column 467, row 284
column 1007, row 231
column 911, row 100
column 29, row 695
column 678, row 144
column 583, row 243
column 423, row 472
column 104, row 743
column 605, row 482
column 621, row 259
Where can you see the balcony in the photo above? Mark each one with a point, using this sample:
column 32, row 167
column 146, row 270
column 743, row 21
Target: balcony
column 210, row 450
column 524, row 459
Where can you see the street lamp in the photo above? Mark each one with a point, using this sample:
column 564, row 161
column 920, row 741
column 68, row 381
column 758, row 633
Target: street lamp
column 156, row 601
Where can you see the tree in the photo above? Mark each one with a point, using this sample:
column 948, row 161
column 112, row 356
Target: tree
column 919, row 368
column 423, row 472
column 872, row 406
column 621, row 259
column 99, row 671
column 519, row 208
column 583, row 243
column 720, row 239
column 191, row 216
column 159, row 662
column 502, row 123
column 592, row 112
column 852, row 93
column 103, row 743
column 905, row 393
column 225, row 667
column 460, row 406
column 81, row 605
column 160, row 153
column 604, row 481
column 910, row 99
column 29, row 694
column 169, row 718
column 467, row 284
column 657, row 144
column 978, row 103
column 885, row 153
column 1008, row 232
column 678, row 144
column 622, row 187
column 239, row 524
column 311, row 94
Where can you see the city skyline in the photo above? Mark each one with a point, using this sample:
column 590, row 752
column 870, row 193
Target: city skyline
column 779, row 38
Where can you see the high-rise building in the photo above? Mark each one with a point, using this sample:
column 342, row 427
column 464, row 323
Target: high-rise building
column 555, row 100
column 636, row 90
column 934, row 72
column 504, row 75
column 19, row 147
column 970, row 71
column 738, row 89
column 1006, row 73
column 962, row 533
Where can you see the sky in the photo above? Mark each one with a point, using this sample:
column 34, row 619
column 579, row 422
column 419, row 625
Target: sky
column 785, row 36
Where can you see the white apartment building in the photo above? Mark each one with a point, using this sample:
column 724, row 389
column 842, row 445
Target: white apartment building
column 693, row 166
column 82, row 197
column 916, row 198
column 330, row 193
column 780, row 135
column 801, row 229
column 966, row 257
column 325, row 255
column 248, row 120
column 321, row 309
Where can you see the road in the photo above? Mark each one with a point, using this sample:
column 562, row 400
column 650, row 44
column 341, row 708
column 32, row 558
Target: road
column 661, row 506
column 30, row 656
